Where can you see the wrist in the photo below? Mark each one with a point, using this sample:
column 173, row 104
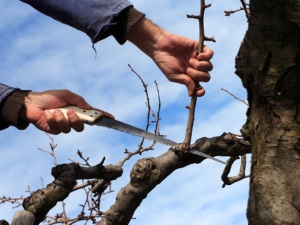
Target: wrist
column 146, row 36
column 29, row 100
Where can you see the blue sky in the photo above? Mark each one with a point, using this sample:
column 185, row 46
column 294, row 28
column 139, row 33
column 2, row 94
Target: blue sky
column 38, row 53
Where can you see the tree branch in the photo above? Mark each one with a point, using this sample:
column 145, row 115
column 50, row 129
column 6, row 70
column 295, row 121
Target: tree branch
column 149, row 172
column 230, row 180
column 245, row 9
column 235, row 96
column 41, row 201
column 192, row 107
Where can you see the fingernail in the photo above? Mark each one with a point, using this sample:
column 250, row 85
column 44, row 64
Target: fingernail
column 56, row 112
column 71, row 113
column 46, row 112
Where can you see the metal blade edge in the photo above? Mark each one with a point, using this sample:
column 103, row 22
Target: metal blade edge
column 126, row 128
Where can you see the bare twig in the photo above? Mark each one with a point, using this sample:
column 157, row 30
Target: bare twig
column 52, row 146
column 71, row 221
column 230, row 180
column 86, row 160
column 158, row 111
column 130, row 154
column 141, row 149
column 17, row 201
column 192, row 107
column 235, row 97
column 147, row 103
column 228, row 13
column 42, row 182
column 28, row 190
column 83, row 185
column 147, row 96
column 245, row 8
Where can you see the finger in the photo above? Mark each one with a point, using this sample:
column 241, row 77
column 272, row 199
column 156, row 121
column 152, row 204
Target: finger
column 186, row 80
column 206, row 55
column 61, row 121
column 200, row 65
column 74, row 99
column 201, row 92
column 191, row 89
column 107, row 114
column 83, row 104
column 50, row 119
column 197, row 75
column 74, row 120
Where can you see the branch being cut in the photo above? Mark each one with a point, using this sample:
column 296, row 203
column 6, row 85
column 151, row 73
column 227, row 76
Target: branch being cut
column 192, row 107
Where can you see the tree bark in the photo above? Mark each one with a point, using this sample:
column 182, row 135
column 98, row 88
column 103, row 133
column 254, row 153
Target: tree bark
column 147, row 173
column 269, row 65
column 41, row 201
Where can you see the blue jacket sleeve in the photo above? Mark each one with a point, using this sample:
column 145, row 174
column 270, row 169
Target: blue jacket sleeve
column 11, row 101
column 93, row 17
column 5, row 91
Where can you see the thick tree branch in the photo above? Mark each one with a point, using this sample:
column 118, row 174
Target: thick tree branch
column 149, row 172
column 145, row 176
column 41, row 201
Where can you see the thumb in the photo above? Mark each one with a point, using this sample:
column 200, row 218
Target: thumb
column 83, row 104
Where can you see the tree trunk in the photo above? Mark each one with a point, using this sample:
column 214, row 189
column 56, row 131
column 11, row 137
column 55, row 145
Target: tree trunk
column 269, row 65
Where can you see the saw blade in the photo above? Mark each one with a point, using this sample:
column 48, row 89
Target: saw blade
column 120, row 126
column 206, row 156
column 95, row 117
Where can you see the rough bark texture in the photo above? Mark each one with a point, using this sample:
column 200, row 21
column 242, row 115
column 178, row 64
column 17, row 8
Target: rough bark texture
column 269, row 65
column 147, row 173
column 41, row 201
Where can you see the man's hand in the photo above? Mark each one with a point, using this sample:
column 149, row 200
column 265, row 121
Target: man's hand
column 176, row 58
column 174, row 55
column 35, row 111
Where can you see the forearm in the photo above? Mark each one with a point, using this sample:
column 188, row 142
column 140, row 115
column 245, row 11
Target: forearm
column 146, row 36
